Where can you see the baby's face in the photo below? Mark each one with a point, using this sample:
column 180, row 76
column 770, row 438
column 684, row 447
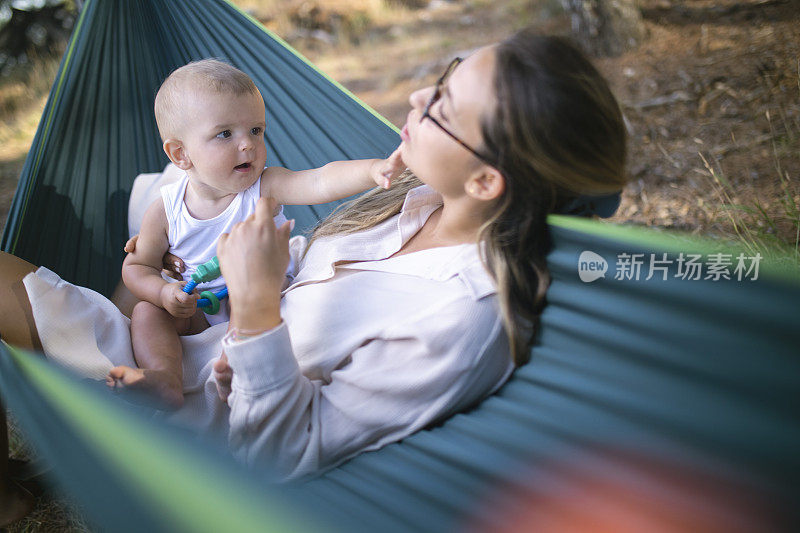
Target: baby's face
column 223, row 136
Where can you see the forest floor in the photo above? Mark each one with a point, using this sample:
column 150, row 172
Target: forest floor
column 713, row 100
column 711, row 96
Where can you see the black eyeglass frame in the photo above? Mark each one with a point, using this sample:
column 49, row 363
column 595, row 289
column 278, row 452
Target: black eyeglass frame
column 437, row 94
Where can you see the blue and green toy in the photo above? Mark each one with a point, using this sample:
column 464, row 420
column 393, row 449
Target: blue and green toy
column 206, row 272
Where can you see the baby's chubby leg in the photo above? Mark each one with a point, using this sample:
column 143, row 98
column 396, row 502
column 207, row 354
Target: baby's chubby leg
column 158, row 353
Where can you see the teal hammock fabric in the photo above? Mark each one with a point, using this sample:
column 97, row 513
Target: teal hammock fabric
column 98, row 130
column 691, row 375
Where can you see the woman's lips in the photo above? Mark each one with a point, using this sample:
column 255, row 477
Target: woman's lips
column 404, row 133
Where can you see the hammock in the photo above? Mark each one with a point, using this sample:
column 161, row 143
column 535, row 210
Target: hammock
column 694, row 375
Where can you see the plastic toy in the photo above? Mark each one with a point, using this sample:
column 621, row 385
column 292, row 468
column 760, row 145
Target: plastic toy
column 208, row 271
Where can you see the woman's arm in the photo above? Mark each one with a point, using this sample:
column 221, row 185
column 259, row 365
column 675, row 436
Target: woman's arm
column 253, row 259
column 414, row 374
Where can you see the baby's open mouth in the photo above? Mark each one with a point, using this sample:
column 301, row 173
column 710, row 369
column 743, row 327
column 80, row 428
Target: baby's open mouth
column 243, row 166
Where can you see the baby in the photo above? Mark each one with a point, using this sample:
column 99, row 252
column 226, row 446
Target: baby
column 211, row 118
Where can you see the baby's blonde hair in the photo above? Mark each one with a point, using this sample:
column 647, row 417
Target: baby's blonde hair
column 207, row 75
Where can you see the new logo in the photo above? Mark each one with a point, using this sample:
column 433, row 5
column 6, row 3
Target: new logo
column 591, row 266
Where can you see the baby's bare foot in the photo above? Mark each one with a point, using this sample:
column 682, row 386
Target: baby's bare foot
column 163, row 385
column 15, row 503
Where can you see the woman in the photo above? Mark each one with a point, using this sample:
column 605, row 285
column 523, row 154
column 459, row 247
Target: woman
column 407, row 303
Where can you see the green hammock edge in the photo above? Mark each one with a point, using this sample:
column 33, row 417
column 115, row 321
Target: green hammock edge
column 675, row 241
column 167, row 478
column 316, row 69
column 62, row 75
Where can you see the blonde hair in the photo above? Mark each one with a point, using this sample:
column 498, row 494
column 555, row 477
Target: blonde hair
column 556, row 133
column 208, row 76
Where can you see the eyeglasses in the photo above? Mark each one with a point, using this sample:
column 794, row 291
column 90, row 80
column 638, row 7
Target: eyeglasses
column 437, row 94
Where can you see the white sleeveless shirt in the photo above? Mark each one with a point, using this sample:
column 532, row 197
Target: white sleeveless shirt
column 195, row 240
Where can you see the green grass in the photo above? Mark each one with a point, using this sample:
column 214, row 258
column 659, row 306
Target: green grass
column 774, row 230
column 53, row 511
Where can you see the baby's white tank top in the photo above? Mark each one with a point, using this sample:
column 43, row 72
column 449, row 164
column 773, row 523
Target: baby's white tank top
column 195, row 241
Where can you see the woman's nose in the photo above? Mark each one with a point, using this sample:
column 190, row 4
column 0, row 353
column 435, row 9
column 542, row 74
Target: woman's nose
column 420, row 97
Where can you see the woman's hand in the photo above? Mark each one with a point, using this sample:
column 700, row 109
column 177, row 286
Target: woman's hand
column 223, row 375
column 172, row 265
column 253, row 259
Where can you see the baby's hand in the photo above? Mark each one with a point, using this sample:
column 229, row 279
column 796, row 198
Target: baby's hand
column 176, row 302
column 383, row 172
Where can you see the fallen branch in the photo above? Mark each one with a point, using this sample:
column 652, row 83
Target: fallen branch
column 674, row 98
column 720, row 151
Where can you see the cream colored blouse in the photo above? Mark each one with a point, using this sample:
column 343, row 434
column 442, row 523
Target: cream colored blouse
column 370, row 351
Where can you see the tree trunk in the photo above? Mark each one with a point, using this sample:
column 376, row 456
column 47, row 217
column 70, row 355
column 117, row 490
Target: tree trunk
column 606, row 27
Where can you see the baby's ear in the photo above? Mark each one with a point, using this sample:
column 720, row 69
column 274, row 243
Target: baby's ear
column 176, row 153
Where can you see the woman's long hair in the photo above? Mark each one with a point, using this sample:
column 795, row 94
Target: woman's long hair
column 556, row 132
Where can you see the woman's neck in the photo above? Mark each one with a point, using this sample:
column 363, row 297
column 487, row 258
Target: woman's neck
column 457, row 222
column 444, row 227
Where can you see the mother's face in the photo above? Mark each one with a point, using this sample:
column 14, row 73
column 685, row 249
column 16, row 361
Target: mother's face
column 441, row 151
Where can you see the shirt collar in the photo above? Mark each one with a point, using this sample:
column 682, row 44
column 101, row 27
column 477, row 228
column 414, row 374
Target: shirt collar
column 380, row 242
column 463, row 261
column 421, row 196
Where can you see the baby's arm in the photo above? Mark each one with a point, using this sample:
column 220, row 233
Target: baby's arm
column 141, row 270
column 333, row 181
